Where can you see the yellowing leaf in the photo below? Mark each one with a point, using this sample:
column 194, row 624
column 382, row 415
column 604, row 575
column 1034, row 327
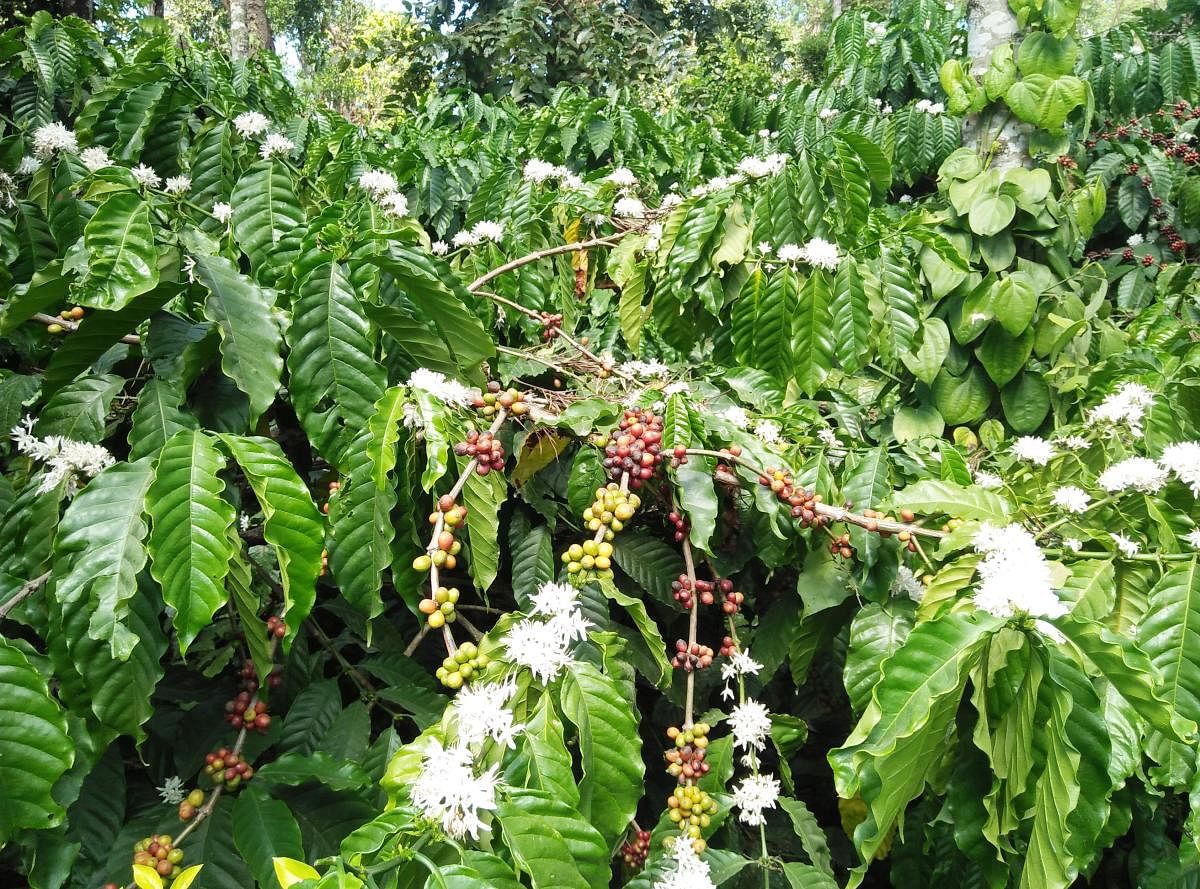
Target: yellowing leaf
column 186, row 877
column 146, row 877
column 289, row 872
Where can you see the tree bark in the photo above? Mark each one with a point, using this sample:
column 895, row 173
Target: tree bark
column 239, row 37
column 990, row 24
column 258, row 26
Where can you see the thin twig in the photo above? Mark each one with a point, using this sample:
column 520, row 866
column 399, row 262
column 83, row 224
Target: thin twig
column 606, row 241
column 417, row 639
column 27, row 590
column 693, row 620
column 836, row 513
column 72, row 326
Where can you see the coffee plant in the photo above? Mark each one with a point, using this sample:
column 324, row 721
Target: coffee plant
column 786, row 492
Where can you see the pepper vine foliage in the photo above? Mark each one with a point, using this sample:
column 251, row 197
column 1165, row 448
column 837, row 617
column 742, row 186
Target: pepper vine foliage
column 607, row 492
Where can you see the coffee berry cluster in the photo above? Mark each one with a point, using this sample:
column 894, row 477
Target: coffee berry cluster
column 187, row 808
column 907, row 516
column 635, row 850
column 497, row 398
column 611, row 509
column 444, row 548
column 681, row 525
column 466, row 662
column 158, row 852
column 243, row 712
column 589, row 556
column 635, row 448
column 802, row 503
column 276, row 627
column 692, row 809
column 683, row 592
column 691, row 657
column 551, row 325
column 686, row 760
column 226, row 767
column 485, row 448
column 440, row 610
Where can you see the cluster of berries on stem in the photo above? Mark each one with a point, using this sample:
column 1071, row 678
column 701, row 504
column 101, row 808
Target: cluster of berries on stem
column 691, row 657
column 635, row 850
column 440, row 609
column 245, row 710
column 228, row 768
column 466, row 663
column 686, row 760
column 802, row 503
column 444, row 548
column 187, row 808
column 485, row 448
column 497, row 398
column 158, row 852
column 635, row 448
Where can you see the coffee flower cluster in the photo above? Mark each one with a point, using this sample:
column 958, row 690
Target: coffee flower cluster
column 65, row 459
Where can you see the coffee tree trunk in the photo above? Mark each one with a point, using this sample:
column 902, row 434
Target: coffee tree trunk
column 249, row 28
column 991, row 24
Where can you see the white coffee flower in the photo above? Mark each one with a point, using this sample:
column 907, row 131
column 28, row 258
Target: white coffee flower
column 94, row 158
column 171, row 792
column 51, row 138
column 1033, row 449
column 764, row 247
column 488, row 230
column 1135, row 240
column 28, row 166
column 394, row 204
column 1126, row 545
column 536, row 170
column 906, row 199
column 251, row 123
column 276, row 143
column 1183, row 459
column 750, row 723
column 243, row 522
column 439, row 248
column 465, row 238
column 482, row 714
column 64, row 458
column 554, row 599
column 988, row 480
column 828, row 436
column 768, row 431
column 790, row 253
column 757, row 167
column 827, row 113
column 540, row 646
column 448, row 790
column 447, row 391
column 1193, row 537
column 630, row 208
column 652, row 369
column 1072, row 499
column 377, row 182
column 1074, row 442
column 177, row 185
column 1138, row 473
column 822, row 254
column 222, row 212
column 735, row 416
column 146, row 176
column 907, row 584
column 1014, row 577
column 1126, row 405
column 691, row 871
column 622, row 177
column 755, row 795
column 679, row 387
column 1074, row 544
